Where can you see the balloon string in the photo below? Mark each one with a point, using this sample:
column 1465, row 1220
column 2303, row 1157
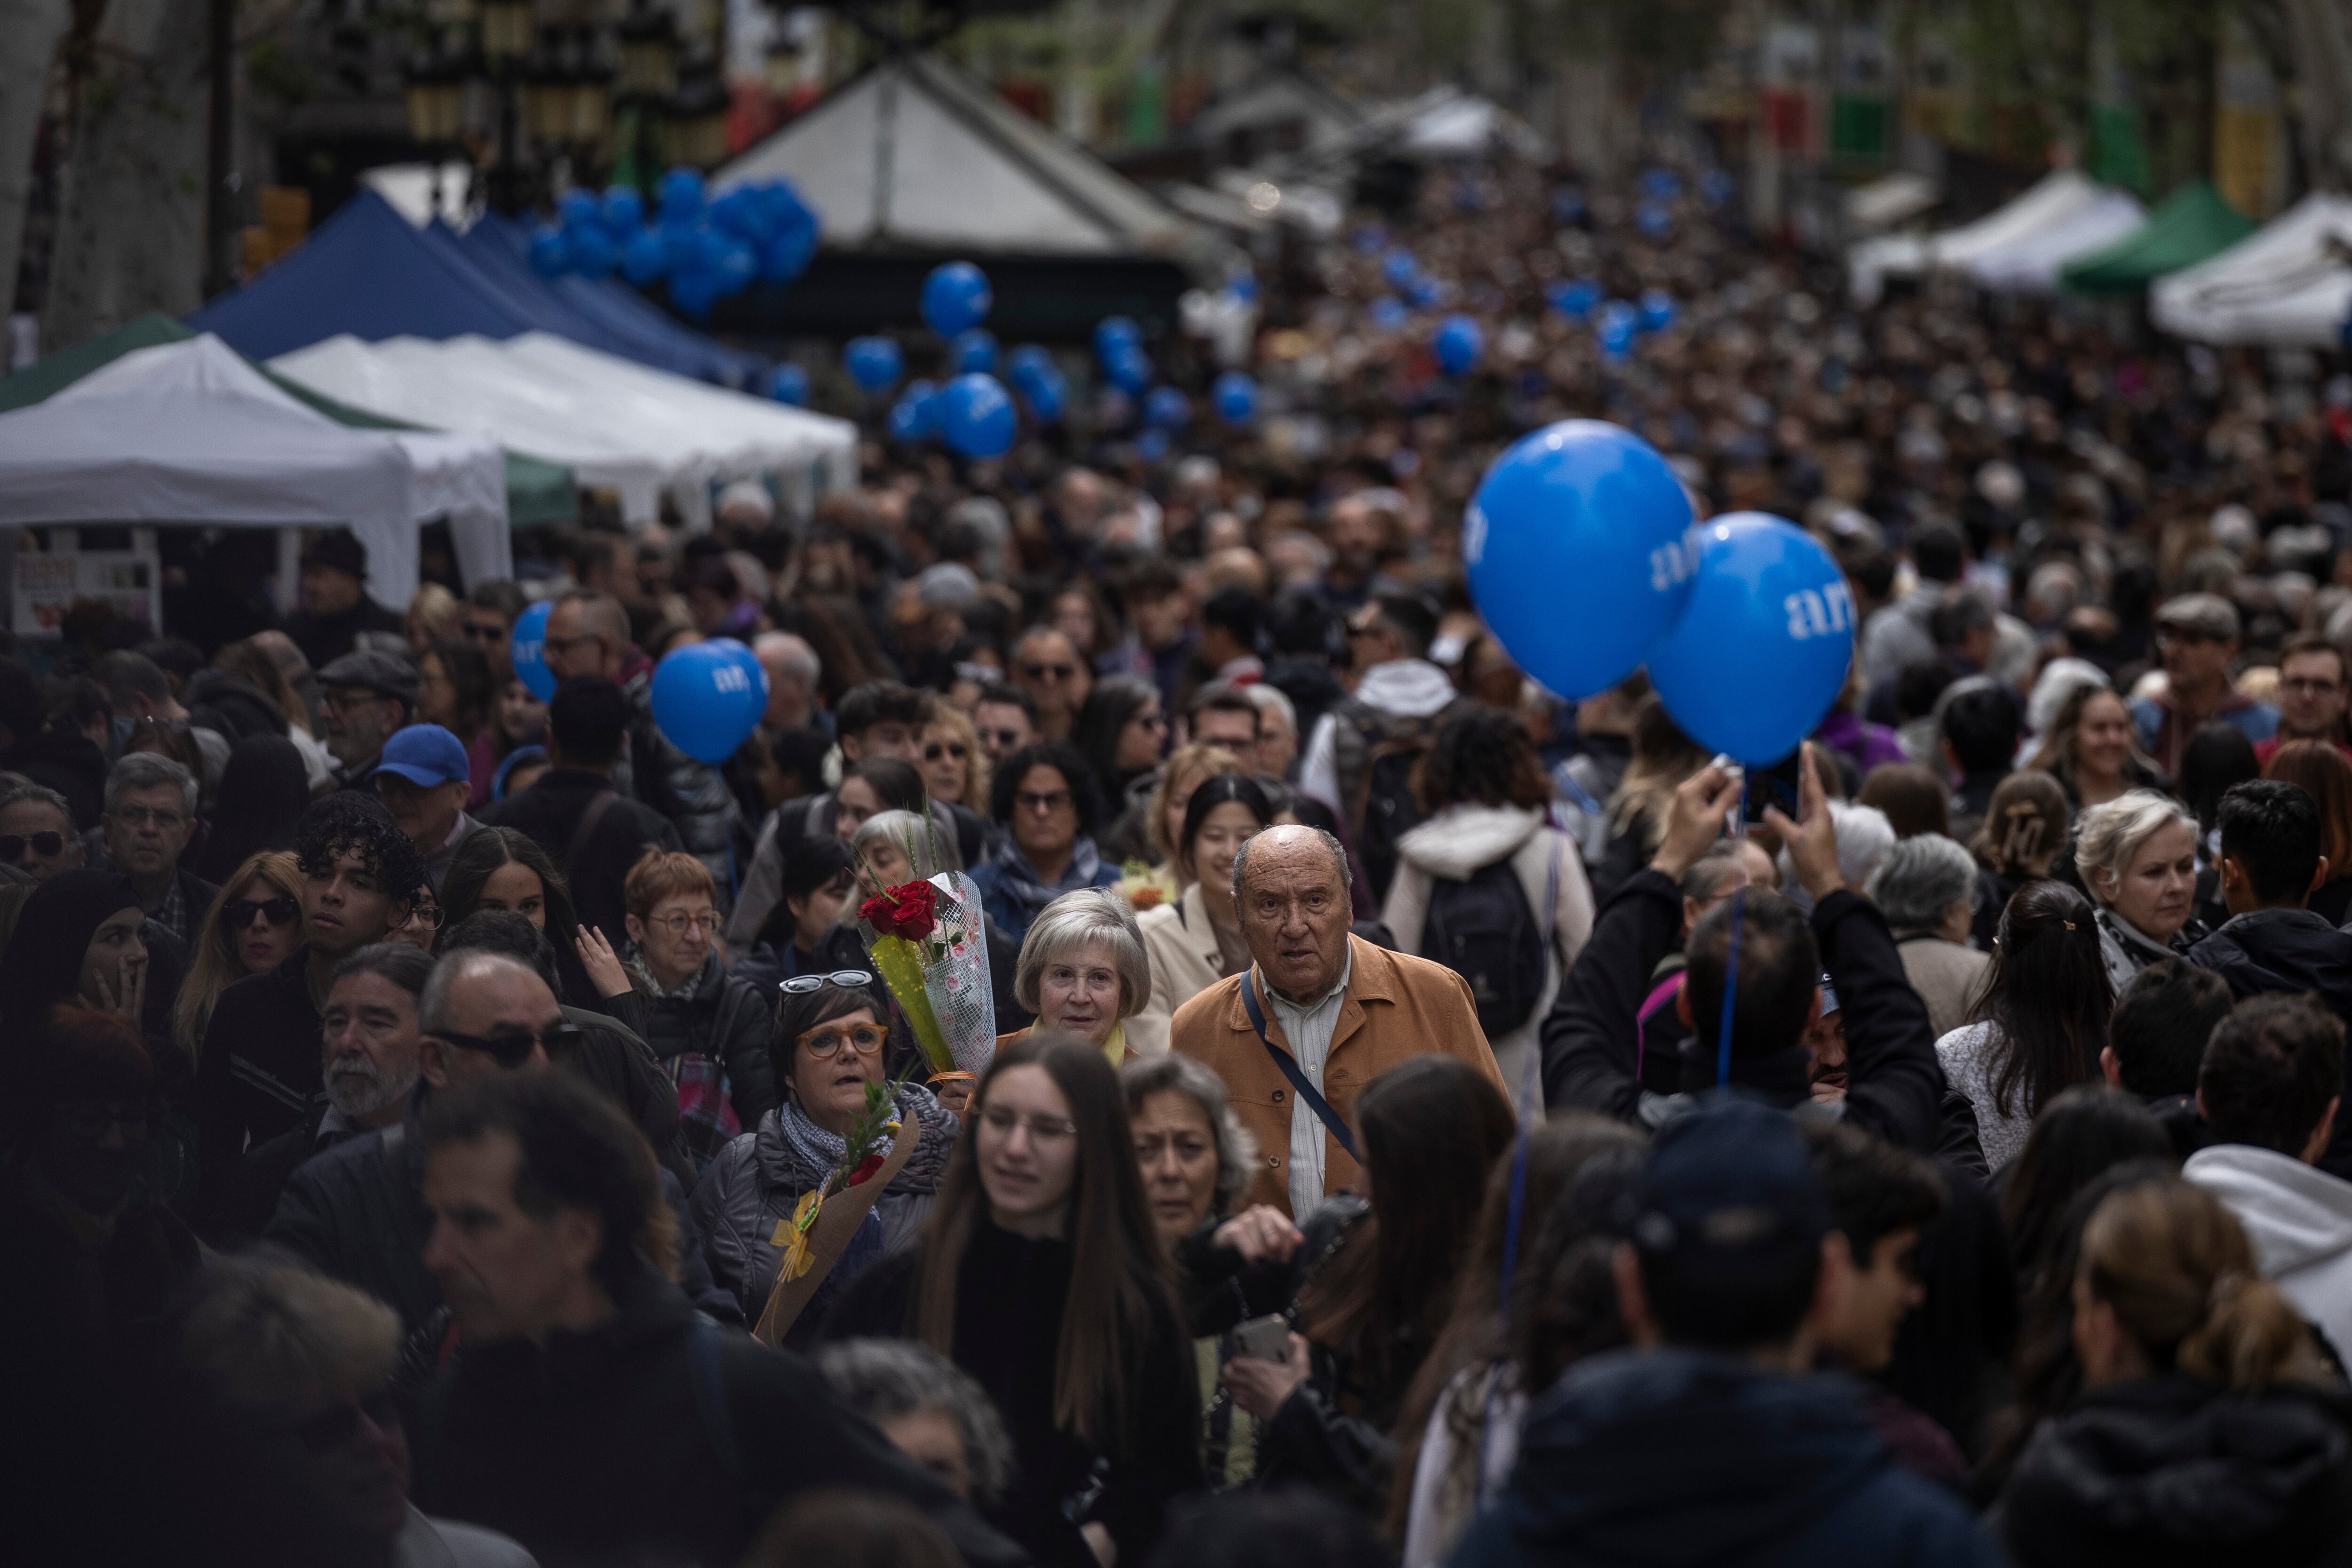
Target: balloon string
column 1731, row 959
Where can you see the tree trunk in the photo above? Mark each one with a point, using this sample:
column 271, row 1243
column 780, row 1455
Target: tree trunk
column 131, row 225
column 33, row 29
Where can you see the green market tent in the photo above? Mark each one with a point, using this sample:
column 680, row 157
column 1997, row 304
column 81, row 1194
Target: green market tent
column 2192, row 224
column 538, row 493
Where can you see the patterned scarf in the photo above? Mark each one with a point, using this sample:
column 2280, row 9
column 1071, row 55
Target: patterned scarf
column 816, row 1152
column 1021, row 883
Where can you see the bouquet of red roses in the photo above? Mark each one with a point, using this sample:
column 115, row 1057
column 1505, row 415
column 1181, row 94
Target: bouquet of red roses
column 929, row 941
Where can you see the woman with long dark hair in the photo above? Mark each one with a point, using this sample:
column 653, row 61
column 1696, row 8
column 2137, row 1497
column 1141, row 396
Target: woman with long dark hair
column 2041, row 1021
column 1042, row 1274
column 2085, row 1132
column 264, row 792
column 1378, row 1280
column 1121, row 731
column 505, row 869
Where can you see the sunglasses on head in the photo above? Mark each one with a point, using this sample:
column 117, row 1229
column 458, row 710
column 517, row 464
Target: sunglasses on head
column 802, row 984
column 282, row 910
column 47, row 846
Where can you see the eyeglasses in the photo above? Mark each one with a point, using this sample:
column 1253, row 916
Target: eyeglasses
column 513, row 1047
column 280, row 912
column 805, row 984
column 1049, row 671
column 47, row 846
column 1008, row 739
column 1042, row 1129
column 486, row 634
column 335, row 1426
column 705, row 923
column 140, row 816
column 430, row 916
column 1052, row 800
column 825, row 1044
column 938, row 748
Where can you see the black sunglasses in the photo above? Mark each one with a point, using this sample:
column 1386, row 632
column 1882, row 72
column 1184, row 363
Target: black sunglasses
column 511, row 1047
column 45, row 845
column 334, row 1427
column 279, row 911
column 801, row 984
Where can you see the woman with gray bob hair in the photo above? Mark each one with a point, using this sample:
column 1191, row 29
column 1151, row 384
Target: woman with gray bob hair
column 1082, row 969
column 2137, row 856
column 1926, row 887
column 934, row 1411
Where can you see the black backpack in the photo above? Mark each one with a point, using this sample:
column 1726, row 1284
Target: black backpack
column 1482, row 929
column 1373, row 755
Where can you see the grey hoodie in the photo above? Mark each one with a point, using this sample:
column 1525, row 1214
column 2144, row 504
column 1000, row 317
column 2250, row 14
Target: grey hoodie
column 2300, row 1221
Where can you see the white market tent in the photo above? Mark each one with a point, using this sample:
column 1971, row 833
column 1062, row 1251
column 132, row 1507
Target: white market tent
column 2287, row 285
column 189, row 434
column 637, row 431
column 1889, row 200
column 915, row 154
column 2050, row 202
column 2029, row 264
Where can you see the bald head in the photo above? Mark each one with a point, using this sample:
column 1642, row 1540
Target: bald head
column 587, row 634
column 483, row 1013
column 1291, row 891
column 792, row 669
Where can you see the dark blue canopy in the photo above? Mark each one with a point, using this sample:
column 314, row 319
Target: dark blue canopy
column 369, row 272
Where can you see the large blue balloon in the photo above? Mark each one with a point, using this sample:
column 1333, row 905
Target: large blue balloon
column 578, row 208
column 873, row 363
column 695, row 293
column 1027, row 363
column 623, row 212
column 977, row 416
column 527, row 649
column 590, row 248
column 707, row 701
column 737, row 267
column 1458, row 342
column 1578, row 549
column 1762, row 648
column 1235, row 395
column 975, row 352
column 787, row 253
column 1129, row 370
column 955, row 298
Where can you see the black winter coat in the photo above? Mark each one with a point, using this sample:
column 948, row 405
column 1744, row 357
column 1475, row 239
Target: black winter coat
column 549, row 811
column 258, row 1075
column 613, row 1445
column 721, row 1018
column 230, row 705
column 2292, row 951
column 2166, row 1469
column 1009, row 1303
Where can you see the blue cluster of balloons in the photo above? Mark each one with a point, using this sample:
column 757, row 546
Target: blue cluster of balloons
column 708, row 698
column 973, row 414
column 1584, row 560
column 1389, row 314
column 708, row 249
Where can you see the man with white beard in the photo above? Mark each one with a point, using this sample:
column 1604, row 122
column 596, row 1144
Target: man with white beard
column 369, row 1045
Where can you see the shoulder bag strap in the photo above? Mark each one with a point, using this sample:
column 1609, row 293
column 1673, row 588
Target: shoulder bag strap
column 589, row 819
column 1293, row 1071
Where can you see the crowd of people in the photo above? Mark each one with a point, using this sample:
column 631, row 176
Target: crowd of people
column 1431, row 1122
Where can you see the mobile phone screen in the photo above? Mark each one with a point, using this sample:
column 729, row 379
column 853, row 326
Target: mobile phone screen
column 1775, row 785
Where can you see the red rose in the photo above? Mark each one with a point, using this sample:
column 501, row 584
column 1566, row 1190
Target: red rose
column 866, row 1168
column 908, row 911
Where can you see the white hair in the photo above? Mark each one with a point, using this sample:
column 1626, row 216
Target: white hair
column 792, row 656
column 2107, row 836
column 1864, row 837
column 1272, row 702
column 1067, row 925
column 1920, row 878
column 147, row 770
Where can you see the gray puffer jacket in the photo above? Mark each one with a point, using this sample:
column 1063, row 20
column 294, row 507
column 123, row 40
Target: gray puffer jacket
column 758, row 1180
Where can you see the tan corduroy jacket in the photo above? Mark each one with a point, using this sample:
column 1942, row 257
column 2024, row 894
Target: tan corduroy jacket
column 1396, row 1008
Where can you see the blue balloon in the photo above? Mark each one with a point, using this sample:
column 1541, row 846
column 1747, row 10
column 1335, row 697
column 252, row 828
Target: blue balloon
column 707, row 250
column 1399, row 268
column 1573, row 300
column 527, row 649
column 643, row 259
column 1129, row 370
column 915, row 417
column 695, row 293
column 1235, row 395
column 1423, row 293
column 677, row 243
column 577, row 208
column 874, row 362
column 975, row 352
column 706, row 701
column 1167, row 409
column 1578, row 550
column 977, row 416
column 743, row 214
column 1244, row 288
column 680, row 196
column 1663, row 183
column 549, row 256
column 623, row 212
column 1388, row 313
column 1763, row 644
column 789, row 384
column 1655, row 219
column 788, row 252
column 1046, row 393
column 737, row 267
column 956, row 298
column 1616, row 339
column 1458, row 342
column 1113, row 333
column 1027, row 363
column 590, row 248
column 1152, row 446
column 1657, row 310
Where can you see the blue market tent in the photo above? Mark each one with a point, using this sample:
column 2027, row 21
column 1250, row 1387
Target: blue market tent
column 368, row 272
column 650, row 335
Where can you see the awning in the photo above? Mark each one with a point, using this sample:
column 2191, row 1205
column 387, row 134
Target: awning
column 1889, row 200
column 2289, row 285
column 2050, row 202
column 2029, row 264
column 2192, row 225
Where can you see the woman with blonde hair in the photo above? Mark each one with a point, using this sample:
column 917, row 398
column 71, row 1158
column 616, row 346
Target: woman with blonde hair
column 2024, row 831
column 1662, row 758
column 2208, row 1430
column 251, row 927
column 2137, row 856
column 2093, row 749
column 955, row 764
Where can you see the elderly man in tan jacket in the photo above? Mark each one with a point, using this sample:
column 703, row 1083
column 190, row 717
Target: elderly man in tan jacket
column 1338, row 1009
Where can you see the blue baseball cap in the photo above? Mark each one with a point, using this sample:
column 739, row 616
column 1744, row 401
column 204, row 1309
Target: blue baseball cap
column 1728, row 1181
column 425, row 756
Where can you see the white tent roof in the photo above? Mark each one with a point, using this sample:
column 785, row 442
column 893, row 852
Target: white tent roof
column 189, row 433
column 616, row 423
column 2287, row 285
column 914, row 152
column 1890, row 199
column 2029, row 264
column 2050, row 201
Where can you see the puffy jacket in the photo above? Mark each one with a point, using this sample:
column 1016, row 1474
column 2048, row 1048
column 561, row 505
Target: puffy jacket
column 2299, row 1219
column 757, row 1181
column 1677, row 1457
column 693, row 795
column 719, row 1017
column 1461, row 841
column 2166, row 1469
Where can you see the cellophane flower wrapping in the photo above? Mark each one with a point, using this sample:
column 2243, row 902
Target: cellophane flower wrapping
column 956, row 980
